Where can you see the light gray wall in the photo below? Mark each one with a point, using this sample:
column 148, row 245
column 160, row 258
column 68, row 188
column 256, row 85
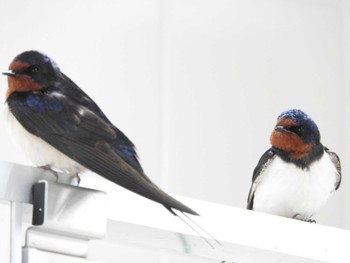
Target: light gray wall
column 197, row 85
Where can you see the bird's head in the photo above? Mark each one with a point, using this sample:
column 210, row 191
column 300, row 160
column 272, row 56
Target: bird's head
column 31, row 70
column 295, row 133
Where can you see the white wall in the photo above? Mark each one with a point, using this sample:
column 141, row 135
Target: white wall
column 198, row 84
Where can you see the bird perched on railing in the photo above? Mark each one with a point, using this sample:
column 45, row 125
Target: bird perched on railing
column 60, row 128
column 297, row 175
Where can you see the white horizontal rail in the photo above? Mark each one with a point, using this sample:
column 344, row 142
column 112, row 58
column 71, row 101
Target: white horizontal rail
column 246, row 236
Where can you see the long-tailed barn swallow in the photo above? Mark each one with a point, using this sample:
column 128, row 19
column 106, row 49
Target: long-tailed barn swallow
column 61, row 128
column 297, row 175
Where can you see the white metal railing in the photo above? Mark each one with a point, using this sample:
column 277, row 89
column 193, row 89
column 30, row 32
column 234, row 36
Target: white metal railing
column 75, row 230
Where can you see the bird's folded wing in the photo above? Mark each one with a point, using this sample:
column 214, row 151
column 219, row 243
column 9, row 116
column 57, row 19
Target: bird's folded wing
column 336, row 161
column 86, row 138
column 258, row 171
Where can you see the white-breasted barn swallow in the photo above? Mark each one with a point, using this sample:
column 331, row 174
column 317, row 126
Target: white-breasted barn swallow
column 297, row 175
column 59, row 127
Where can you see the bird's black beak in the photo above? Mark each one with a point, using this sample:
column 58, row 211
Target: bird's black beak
column 281, row 129
column 9, row 73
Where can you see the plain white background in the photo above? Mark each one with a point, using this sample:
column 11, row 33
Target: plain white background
column 197, row 85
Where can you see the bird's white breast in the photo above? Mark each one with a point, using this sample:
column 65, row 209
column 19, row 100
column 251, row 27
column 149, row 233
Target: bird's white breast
column 37, row 150
column 286, row 190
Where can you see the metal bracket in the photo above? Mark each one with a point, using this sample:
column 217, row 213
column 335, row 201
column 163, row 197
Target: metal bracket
column 65, row 217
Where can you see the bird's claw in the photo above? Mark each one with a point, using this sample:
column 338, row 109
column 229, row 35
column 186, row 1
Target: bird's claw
column 312, row 221
column 298, row 217
column 78, row 179
column 48, row 168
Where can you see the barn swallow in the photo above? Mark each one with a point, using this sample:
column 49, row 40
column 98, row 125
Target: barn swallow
column 60, row 128
column 297, row 175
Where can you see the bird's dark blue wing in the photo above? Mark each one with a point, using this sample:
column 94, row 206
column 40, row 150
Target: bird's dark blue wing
column 121, row 145
column 261, row 166
column 336, row 161
column 86, row 137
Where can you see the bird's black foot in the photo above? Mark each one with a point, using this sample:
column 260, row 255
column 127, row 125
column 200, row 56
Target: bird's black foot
column 297, row 217
column 78, row 179
column 48, row 168
column 312, row 221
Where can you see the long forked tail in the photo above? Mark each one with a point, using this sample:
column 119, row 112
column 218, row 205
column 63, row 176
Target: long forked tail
column 195, row 227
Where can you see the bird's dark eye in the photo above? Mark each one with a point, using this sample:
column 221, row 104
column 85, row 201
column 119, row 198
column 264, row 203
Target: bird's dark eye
column 296, row 129
column 32, row 69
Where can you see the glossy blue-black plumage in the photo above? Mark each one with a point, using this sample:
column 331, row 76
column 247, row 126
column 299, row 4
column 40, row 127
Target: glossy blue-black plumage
column 65, row 117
